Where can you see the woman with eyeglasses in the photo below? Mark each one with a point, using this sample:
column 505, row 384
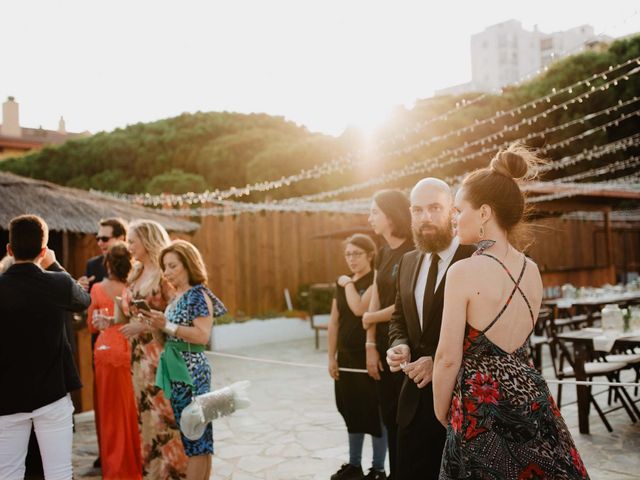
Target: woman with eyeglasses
column 356, row 396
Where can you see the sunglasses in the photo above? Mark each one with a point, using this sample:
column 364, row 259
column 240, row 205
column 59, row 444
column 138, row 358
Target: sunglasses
column 103, row 239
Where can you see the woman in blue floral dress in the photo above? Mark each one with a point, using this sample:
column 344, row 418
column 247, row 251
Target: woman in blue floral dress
column 502, row 422
column 184, row 370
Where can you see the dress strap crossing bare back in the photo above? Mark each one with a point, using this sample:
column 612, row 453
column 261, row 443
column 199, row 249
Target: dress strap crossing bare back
column 516, row 288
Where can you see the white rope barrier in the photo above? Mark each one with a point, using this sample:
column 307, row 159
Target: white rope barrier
column 358, row 370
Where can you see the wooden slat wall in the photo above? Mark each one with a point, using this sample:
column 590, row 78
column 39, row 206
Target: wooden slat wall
column 252, row 258
column 570, row 251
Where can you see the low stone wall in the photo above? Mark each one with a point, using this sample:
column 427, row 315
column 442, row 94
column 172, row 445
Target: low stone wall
column 259, row 332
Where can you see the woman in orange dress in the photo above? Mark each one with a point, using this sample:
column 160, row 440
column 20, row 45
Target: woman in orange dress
column 163, row 456
column 118, row 422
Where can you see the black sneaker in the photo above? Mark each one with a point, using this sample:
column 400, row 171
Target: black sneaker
column 375, row 475
column 348, row 472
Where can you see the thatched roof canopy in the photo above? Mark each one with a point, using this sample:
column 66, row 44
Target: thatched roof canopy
column 71, row 209
column 550, row 197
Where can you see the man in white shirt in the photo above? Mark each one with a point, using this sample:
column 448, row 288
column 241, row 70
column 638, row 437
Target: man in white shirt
column 415, row 327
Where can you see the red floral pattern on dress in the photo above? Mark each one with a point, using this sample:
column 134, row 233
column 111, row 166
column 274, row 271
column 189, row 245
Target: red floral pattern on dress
column 577, row 462
column 509, row 424
column 554, row 407
column 473, row 430
column 484, row 388
column 531, row 472
column 456, row 414
column 469, row 339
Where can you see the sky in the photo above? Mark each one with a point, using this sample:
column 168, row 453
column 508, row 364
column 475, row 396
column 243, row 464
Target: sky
column 325, row 64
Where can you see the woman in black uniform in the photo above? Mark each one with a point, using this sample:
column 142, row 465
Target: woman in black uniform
column 389, row 217
column 356, row 396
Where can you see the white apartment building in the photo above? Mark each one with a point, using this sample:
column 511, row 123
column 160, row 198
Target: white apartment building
column 506, row 53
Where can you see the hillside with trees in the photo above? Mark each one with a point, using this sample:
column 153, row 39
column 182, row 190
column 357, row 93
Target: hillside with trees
column 200, row 151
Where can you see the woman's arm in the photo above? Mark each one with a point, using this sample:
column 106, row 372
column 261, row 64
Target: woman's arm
column 449, row 354
column 374, row 365
column 92, row 307
column 378, row 316
column 332, row 341
column 199, row 333
column 357, row 304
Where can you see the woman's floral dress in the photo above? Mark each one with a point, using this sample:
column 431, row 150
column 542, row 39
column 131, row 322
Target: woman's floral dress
column 163, row 455
column 183, row 311
column 504, row 424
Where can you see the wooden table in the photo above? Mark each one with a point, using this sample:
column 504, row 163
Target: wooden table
column 590, row 305
column 596, row 301
column 583, row 352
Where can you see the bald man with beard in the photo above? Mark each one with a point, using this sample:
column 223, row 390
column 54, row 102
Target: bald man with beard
column 415, row 327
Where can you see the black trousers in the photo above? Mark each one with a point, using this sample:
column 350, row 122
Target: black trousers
column 420, row 444
column 389, row 391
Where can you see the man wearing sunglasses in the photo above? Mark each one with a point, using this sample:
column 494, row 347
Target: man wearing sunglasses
column 110, row 231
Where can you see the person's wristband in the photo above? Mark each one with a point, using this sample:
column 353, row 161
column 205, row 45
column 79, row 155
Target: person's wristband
column 370, row 344
column 170, row 328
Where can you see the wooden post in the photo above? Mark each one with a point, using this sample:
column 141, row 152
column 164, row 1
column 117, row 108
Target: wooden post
column 65, row 249
column 608, row 236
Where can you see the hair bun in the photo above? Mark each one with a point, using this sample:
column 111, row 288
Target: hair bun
column 515, row 162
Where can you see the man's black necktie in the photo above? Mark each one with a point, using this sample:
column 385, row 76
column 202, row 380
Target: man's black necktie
column 429, row 290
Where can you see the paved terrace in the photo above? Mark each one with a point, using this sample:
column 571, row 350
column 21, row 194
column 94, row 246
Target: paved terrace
column 293, row 431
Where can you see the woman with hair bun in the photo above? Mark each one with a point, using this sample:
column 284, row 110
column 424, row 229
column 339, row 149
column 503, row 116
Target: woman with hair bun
column 501, row 419
column 118, row 419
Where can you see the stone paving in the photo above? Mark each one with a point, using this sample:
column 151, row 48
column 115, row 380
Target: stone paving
column 293, row 431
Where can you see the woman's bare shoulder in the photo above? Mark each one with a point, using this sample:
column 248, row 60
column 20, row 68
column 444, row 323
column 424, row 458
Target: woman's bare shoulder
column 463, row 268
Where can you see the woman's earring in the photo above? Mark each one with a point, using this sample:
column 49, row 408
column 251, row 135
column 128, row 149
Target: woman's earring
column 481, row 232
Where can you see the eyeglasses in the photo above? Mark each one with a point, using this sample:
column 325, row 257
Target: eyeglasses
column 354, row 254
column 103, row 239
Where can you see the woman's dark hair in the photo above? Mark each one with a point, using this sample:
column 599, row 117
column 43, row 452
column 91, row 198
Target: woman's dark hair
column 497, row 187
column 364, row 242
column 118, row 261
column 395, row 205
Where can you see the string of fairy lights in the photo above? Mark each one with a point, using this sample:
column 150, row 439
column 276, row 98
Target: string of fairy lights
column 342, row 163
column 430, row 164
column 359, row 205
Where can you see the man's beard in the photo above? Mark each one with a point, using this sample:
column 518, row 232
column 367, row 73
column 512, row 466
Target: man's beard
column 436, row 239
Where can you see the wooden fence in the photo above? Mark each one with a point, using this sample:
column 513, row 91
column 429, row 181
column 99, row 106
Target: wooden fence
column 252, row 258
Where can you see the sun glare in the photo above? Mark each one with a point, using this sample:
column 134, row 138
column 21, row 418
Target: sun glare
column 369, row 119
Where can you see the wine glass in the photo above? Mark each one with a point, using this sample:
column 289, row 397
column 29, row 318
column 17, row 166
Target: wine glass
column 101, row 318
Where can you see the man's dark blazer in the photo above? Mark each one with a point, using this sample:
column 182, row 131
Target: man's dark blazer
column 405, row 324
column 36, row 363
column 95, row 268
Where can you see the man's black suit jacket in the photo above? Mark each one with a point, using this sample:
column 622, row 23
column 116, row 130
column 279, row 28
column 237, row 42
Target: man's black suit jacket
column 36, row 363
column 95, row 268
column 405, row 324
